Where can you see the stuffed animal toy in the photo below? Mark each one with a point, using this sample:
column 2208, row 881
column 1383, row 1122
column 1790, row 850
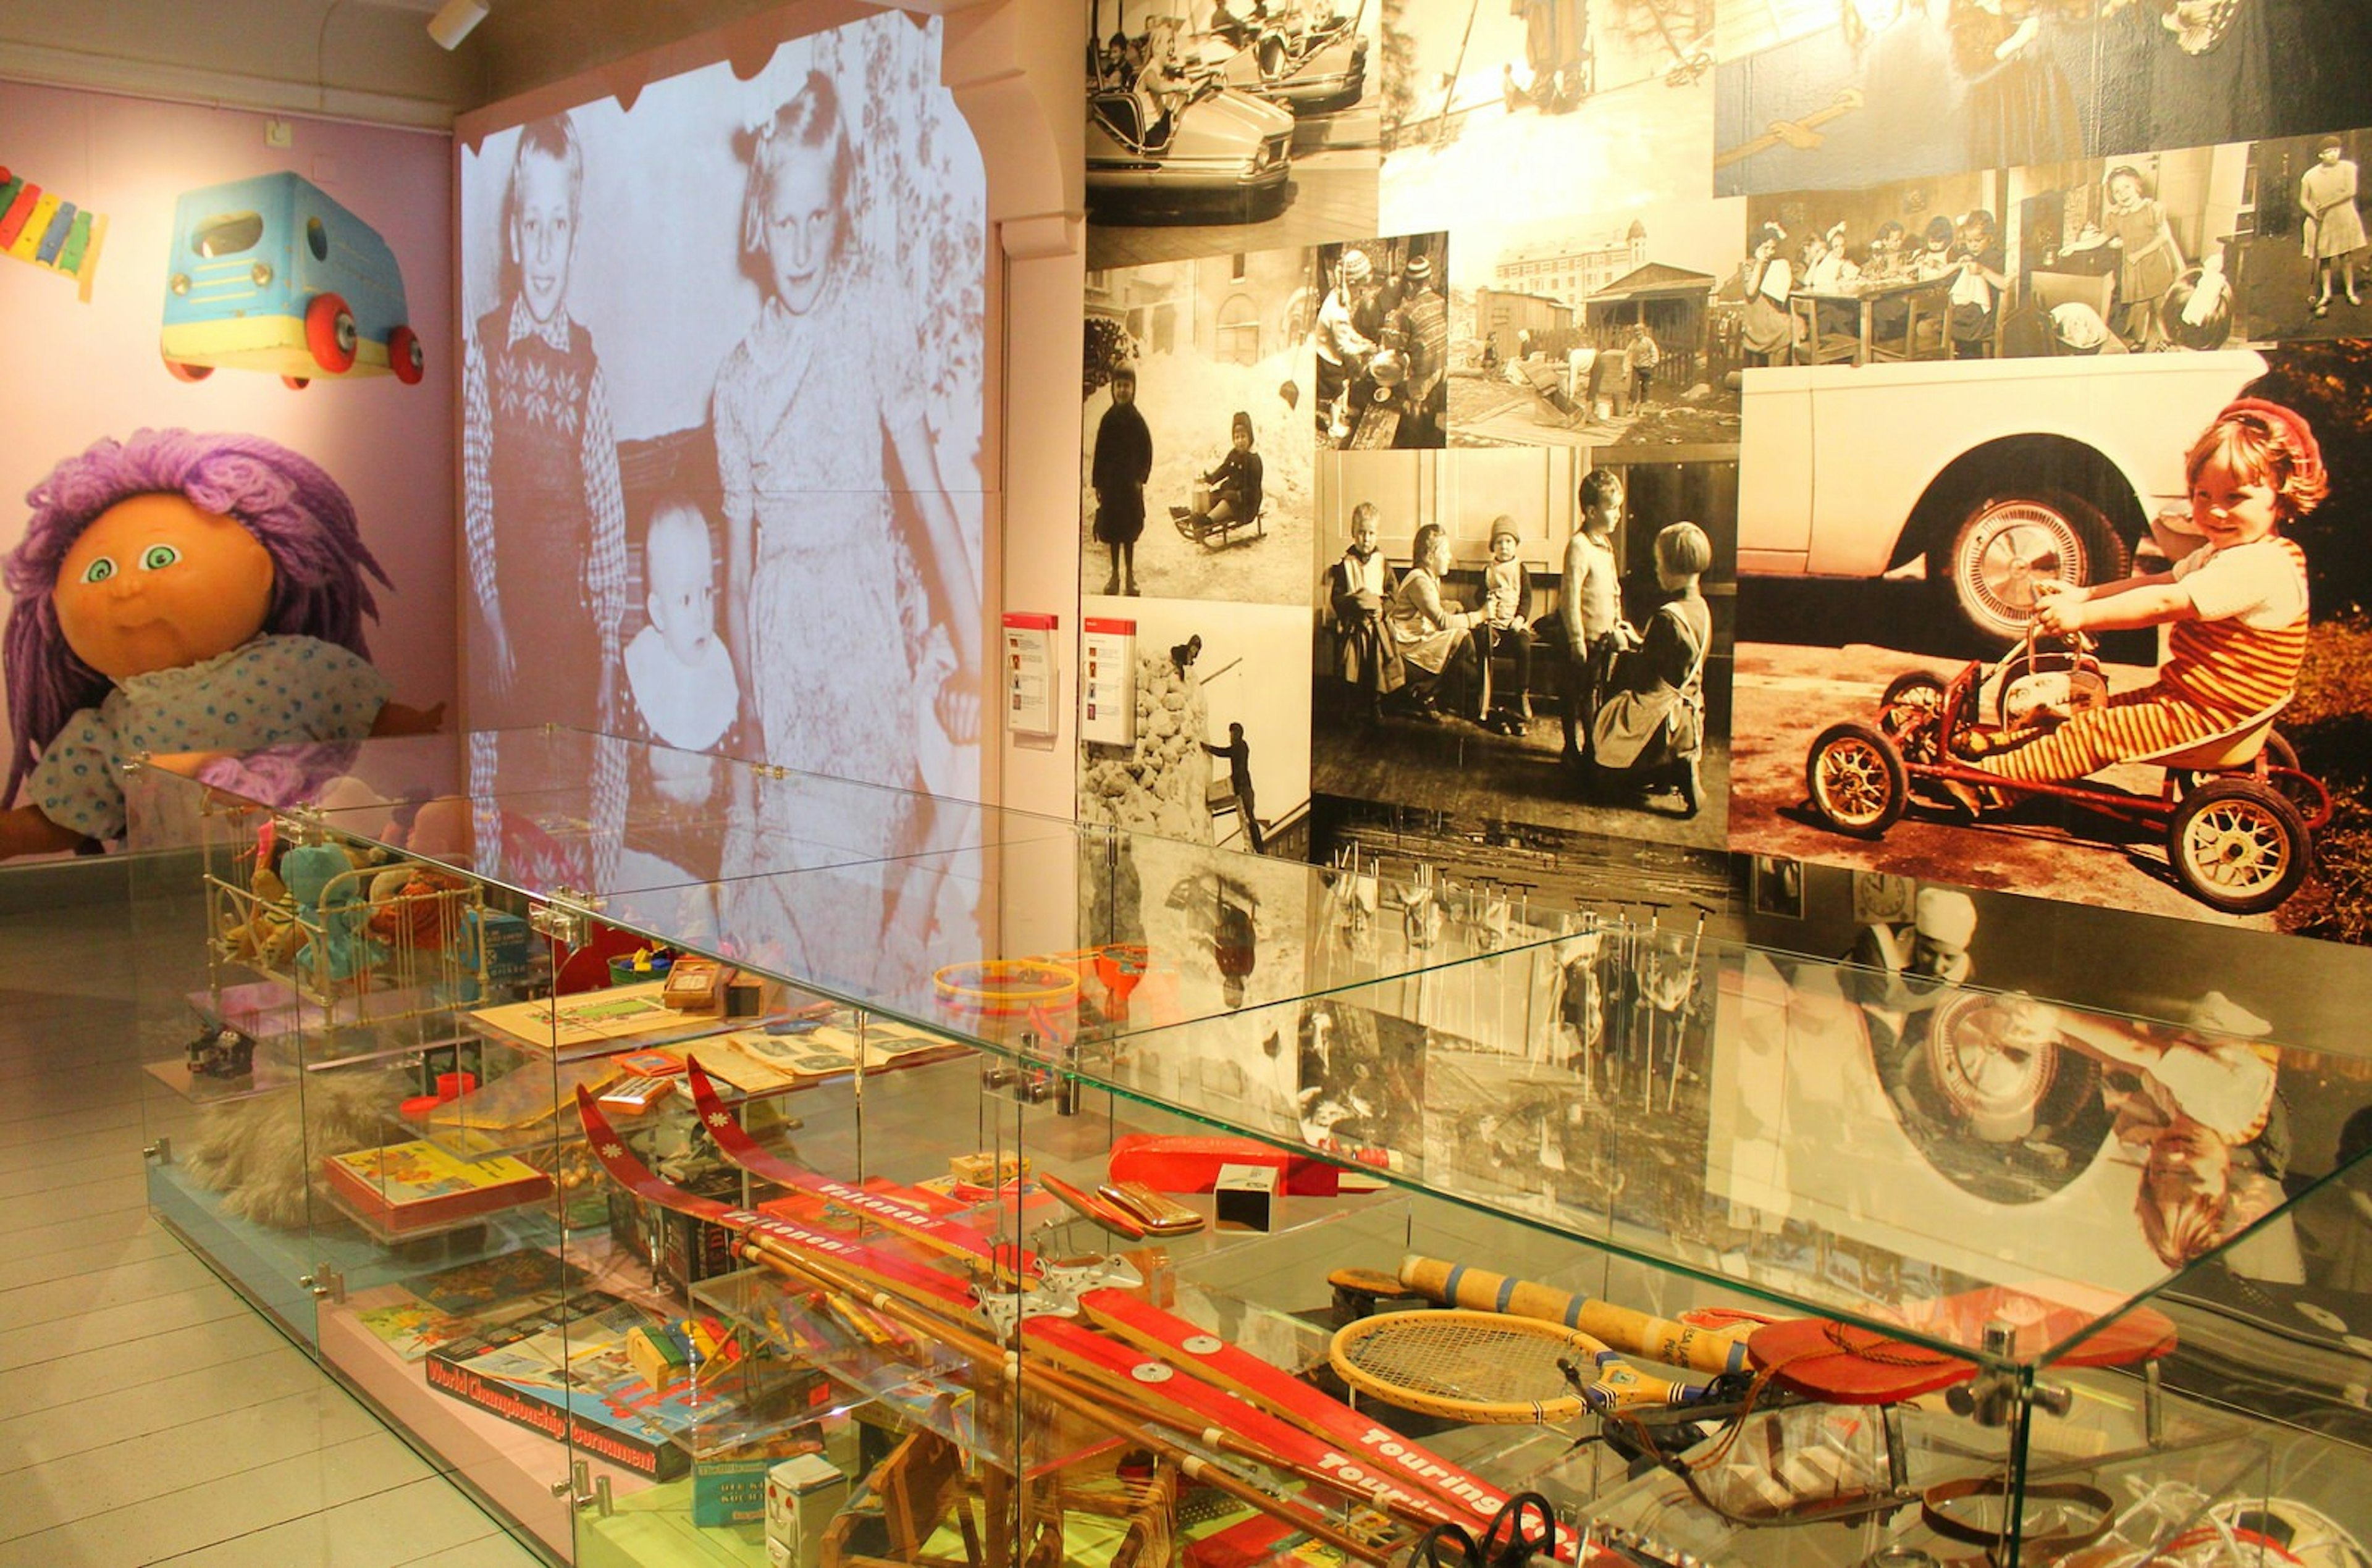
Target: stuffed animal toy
column 179, row 593
column 326, row 883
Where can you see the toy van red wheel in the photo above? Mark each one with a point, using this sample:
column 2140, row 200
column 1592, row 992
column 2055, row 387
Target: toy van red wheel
column 184, row 372
column 330, row 333
column 1855, row 777
column 2238, row 846
column 405, row 357
column 296, row 383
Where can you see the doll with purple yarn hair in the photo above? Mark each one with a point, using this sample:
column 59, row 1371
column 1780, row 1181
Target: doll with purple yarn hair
column 180, row 592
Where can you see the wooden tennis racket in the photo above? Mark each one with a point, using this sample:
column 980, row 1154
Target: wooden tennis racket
column 1490, row 1369
column 1815, row 1356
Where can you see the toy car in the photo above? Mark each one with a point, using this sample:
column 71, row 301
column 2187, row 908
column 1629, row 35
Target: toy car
column 1311, row 68
column 271, row 274
column 2238, row 814
column 1220, row 152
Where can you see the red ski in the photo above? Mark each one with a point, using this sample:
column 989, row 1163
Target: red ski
column 1172, row 1399
column 1374, row 1457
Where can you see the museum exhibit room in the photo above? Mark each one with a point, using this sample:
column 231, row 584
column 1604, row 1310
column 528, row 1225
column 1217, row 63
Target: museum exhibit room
column 1649, row 844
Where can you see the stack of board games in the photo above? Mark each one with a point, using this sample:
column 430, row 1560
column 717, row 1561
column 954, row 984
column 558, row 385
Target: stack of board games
column 407, row 1189
column 571, row 1371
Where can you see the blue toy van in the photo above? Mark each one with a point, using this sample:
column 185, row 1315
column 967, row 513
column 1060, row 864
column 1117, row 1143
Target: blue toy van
column 271, row 274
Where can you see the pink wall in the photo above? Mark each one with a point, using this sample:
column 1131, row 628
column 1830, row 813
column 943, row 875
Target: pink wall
column 73, row 372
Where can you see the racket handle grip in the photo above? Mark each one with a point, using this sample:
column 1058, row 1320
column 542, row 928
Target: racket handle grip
column 1634, row 1332
column 1611, row 1383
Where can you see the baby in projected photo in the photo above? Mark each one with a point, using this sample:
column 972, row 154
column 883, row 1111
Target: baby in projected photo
column 677, row 668
column 830, row 588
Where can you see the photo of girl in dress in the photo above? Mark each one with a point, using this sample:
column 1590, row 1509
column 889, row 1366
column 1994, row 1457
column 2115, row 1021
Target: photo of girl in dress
column 801, row 413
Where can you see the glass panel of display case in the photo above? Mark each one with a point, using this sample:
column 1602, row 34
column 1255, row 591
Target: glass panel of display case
column 752, row 1255
column 222, row 1054
column 903, row 1101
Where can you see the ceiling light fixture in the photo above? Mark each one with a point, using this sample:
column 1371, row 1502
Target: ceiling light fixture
column 453, row 21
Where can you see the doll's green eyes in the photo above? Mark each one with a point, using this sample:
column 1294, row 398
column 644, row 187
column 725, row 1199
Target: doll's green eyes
column 155, row 558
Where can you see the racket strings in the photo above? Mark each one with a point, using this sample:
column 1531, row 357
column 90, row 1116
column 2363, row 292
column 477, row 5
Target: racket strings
column 1480, row 1363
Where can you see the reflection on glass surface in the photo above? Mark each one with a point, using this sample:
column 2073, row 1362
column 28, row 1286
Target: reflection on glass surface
column 1870, row 1138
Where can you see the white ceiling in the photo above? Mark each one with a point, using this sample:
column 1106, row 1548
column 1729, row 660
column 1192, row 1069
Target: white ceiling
column 368, row 60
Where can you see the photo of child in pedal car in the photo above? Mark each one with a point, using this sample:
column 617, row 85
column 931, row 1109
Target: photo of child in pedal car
column 2236, row 813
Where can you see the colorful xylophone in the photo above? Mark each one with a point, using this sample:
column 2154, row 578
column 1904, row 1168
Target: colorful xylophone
column 37, row 225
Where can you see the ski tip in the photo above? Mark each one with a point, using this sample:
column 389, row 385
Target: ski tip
column 704, row 1088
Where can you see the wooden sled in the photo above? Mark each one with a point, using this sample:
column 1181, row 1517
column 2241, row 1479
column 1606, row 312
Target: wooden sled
column 1545, row 381
column 1202, row 530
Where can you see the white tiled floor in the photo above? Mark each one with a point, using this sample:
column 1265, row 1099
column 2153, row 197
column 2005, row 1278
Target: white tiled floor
column 148, row 1415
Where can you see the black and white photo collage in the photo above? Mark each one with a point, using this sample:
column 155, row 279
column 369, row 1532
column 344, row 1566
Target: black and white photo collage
column 1641, row 490
column 1602, row 401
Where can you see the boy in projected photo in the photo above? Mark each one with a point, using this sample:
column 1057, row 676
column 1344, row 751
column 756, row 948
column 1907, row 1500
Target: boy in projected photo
column 820, row 557
column 677, row 667
column 536, row 446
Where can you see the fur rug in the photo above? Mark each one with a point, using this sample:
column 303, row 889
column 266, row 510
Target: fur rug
column 261, row 1153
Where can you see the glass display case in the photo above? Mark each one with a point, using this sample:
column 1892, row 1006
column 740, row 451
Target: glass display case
column 707, row 1164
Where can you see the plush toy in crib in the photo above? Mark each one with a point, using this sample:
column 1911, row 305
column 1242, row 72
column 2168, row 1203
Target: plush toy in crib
column 180, row 592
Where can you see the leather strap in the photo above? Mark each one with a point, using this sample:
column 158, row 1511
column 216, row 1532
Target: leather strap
column 2031, row 1548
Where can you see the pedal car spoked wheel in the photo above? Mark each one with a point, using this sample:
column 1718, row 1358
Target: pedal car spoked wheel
column 2238, row 846
column 2288, row 781
column 1855, row 779
column 1912, row 713
column 330, row 333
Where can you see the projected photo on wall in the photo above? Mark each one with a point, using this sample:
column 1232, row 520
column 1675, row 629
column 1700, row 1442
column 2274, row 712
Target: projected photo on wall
column 722, row 363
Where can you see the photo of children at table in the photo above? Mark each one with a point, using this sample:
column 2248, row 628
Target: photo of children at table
column 1976, row 290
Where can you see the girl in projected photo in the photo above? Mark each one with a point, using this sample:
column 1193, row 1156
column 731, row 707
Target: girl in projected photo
column 818, row 560
column 824, row 550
